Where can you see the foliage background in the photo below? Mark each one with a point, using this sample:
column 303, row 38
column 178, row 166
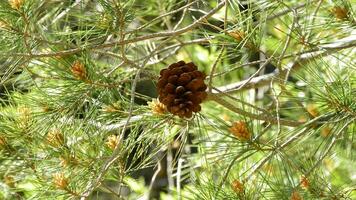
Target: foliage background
column 76, row 77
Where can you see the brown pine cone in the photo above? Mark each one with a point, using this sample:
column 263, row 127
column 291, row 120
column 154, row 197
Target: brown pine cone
column 181, row 88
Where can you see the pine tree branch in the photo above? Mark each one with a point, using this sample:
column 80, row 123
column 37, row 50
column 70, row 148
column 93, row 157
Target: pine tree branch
column 329, row 148
column 305, row 57
column 123, row 42
column 290, row 140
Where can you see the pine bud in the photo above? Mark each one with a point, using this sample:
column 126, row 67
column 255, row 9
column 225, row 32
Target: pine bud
column 237, row 35
column 181, row 88
column 45, row 108
column 240, row 131
column 9, row 180
column 55, row 138
column 16, row 4
column 339, row 12
column 24, row 119
column 312, row 110
column 268, row 168
column 113, row 141
column 63, row 162
column 226, row 117
column 3, row 25
column 302, row 119
column 24, row 113
column 3, row 142
column 325, row 131
column 69, row 160
column 104, row 21
column 295, row 196
column 157, row 107
column 237, row 186
column 304, row 182
column 60, row 181
column 78, row 70
column 109, row 109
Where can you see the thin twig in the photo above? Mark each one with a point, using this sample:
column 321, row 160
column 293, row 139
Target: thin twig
column 263, row 117
column 161, row 16
column 240, row 100
column 283, row 12
column 213, row 69
column 237, row 67
column 62, row 14
column 255, row 74
column 225, row 15
column 279, row 129
column 289, row 35
column 183, row 15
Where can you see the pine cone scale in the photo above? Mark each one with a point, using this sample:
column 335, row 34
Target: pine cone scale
column 180, row 90
column 184, row 79
column 170, row 88
column 173, row 79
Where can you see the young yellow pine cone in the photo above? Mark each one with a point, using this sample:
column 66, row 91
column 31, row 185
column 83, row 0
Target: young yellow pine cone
column 78, row 70
column 239, row 130
column 304, row 182
column 181, row 88
column 312, row 110
column 237, row 186
column 68, row 160
column 24, row 114
column 157, row 107
column 16, row 4
column 3, row 142
column 55, row 138
column 113, row 141
column 60, row 181
column 295, row 196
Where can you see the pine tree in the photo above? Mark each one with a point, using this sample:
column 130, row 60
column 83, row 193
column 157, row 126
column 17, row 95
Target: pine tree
column 177, row 99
